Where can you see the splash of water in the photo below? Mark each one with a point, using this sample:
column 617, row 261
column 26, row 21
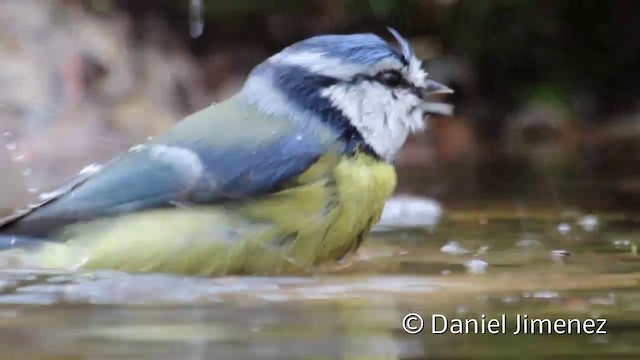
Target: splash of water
column 196, row 19
column 11, row 145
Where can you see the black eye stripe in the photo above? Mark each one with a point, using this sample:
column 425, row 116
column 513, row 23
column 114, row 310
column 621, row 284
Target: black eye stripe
column 389, row 78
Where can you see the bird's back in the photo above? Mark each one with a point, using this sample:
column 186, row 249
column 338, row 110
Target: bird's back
column 225, row 152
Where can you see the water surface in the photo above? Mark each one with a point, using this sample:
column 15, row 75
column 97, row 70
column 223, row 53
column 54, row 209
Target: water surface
column 544, row 264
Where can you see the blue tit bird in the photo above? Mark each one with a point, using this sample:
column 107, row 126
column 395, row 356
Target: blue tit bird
column 287, row 174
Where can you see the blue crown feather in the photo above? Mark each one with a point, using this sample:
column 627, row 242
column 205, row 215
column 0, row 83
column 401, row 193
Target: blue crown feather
column 356, row 48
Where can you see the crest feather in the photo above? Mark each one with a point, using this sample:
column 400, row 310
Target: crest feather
column 405, row 47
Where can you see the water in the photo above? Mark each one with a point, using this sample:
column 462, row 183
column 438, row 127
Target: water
column 196, row 19
column 354, row 309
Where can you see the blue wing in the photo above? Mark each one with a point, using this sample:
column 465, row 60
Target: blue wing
column 225, row 152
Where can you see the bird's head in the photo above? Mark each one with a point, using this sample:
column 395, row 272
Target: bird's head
column 368, row 91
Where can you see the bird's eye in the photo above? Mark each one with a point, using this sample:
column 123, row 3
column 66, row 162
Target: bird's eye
column 390, row 78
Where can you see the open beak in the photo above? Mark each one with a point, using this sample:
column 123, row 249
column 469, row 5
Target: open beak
column 433, row 88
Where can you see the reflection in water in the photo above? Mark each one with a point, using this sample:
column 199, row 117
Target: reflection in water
column 351, row 310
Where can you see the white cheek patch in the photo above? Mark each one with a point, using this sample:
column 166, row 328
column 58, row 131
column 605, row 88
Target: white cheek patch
column 414, row 73
column 383, row 117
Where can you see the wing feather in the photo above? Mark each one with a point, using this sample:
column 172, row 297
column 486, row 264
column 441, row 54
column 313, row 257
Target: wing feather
column 223, row 153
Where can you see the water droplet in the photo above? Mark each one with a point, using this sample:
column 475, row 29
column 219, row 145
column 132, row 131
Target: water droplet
column 33, row 190
column 622, row 244
column 483, row 249
column 560, row 253
column 453, row 248
column 196, row 19
column 26, row 171
column 18, row 157
column 545, row 294
column 7, row 134
column 11, row 146
column 476, row 266
column 589, row 223
column 560, row 256
column 564, row 228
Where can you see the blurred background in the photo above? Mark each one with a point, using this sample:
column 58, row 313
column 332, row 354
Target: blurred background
column 547, row 109
column 532, row 188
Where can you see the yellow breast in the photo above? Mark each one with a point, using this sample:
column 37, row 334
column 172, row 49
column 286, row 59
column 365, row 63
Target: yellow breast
column 363, row 185
column 321, row 216
column 328, row 214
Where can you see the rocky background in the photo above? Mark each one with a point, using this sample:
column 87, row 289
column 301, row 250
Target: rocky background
column 546, row 103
